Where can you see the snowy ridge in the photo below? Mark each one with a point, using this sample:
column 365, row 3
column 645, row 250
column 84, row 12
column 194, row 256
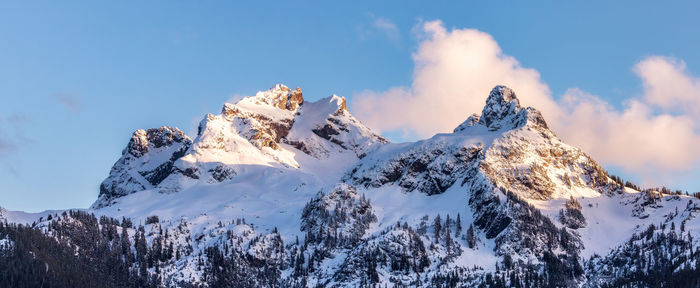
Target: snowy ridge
column 300, row 194
column 326, row 125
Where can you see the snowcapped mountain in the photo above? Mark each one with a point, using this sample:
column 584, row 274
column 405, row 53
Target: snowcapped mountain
column 277, row 191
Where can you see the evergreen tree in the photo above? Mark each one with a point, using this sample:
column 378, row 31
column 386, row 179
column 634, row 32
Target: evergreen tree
column 448, row 241
column 126, row 246
column 458, row 230
column 471, row 238
column 141, row 250
column 438, row 227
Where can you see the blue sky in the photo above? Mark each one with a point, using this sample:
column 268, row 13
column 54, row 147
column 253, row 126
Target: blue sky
column 78, row 77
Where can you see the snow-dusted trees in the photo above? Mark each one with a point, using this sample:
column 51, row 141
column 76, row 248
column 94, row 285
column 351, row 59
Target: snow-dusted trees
column 458, row 230
column 76, row 250
column 339, row 218
column 571, row 216
column 654, row 257
column 437, row 227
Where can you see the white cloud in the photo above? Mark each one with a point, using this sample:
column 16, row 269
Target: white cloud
column 455, row 70
column 669, row 86
column 633, row 138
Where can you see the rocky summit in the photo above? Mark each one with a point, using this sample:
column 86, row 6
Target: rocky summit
column 278, row 191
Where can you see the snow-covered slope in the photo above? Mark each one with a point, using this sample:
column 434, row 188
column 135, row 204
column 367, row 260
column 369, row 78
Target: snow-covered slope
column 305, row 194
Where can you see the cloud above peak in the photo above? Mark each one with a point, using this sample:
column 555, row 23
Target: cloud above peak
column 653, row 136
column 454, row 71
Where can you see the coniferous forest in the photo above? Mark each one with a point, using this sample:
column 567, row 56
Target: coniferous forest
column 77, row 249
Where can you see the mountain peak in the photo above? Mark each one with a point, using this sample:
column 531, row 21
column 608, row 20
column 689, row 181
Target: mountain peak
column 502, row 93
column 155, row 138
column 503, row 112
column 281, row 97
column 336, row 102
column 501, row 104
column 329, row 119
column 145, row 162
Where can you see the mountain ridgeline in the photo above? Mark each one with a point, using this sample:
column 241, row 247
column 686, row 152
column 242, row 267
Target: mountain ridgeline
column 277, row 191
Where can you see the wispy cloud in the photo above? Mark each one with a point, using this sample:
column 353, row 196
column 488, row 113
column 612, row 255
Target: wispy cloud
column 69, row 102
column 17, row 124
column 388, row 28
column 6, row 147
column 380, row 26
column 655, row 135
column 13, row 139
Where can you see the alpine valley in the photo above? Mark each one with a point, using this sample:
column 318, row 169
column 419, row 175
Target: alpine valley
column 276, row 191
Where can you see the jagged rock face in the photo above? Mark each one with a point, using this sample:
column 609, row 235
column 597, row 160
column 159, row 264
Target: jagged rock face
column 517, row 152
column 522, row 232
column 277, row 116
column 260, row 129
column 141, row 140
column 248, row 132
column 294, row 99
column 471, row 121
column 326, row 126
column 430, row 168
column 282, row 97
column 146, row 161
column 253, row 131
column 501, row 104
column 503, row 112
column 527, row 157
column 265, row 127
column 537, row 165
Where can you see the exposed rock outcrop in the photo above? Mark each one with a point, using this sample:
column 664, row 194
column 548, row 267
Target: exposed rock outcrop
column 326, row 125
column 146, row 161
